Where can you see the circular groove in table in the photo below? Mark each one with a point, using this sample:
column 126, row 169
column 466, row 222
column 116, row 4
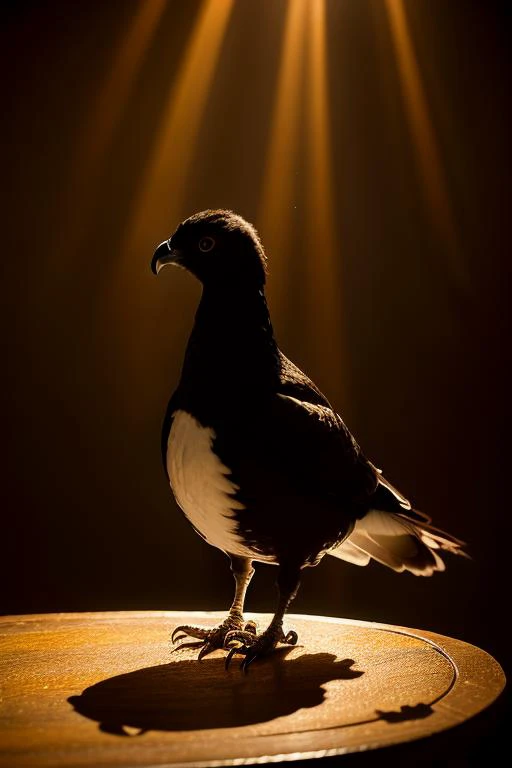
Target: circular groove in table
column 104, row 689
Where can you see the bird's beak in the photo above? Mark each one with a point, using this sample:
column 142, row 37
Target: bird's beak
column 164, row 255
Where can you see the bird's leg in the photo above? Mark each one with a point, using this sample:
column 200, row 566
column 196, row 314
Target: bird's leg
column 253, row 646
column 209, row 640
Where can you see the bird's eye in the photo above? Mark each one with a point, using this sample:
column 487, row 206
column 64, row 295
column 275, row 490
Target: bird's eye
column 206, row 244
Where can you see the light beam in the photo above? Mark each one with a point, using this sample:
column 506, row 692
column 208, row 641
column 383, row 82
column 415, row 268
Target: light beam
column 158, row 206
column 279, row 182
column 323, row 251
column 103, row 119
column 427, row 152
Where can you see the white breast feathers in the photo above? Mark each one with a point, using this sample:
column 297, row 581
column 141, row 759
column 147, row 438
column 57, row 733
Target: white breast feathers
column 201, row 484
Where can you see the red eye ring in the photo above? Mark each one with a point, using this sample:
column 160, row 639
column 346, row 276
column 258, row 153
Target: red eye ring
column 206, row 244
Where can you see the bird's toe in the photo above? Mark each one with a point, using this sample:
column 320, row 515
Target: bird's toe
column 194, row 644
column 209, row 639
column 238, row 637
column 252, row 646
column 260, row 647
column 199, row 633
column 290, row 638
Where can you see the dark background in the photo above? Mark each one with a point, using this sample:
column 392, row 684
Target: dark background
column 92, row 342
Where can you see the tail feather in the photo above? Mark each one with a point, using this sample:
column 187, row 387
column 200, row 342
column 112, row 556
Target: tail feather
column 396, row 536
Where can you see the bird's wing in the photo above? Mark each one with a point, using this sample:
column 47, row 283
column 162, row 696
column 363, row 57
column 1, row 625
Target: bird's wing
column 294, row 382
column 316, row 449
column 312, row 439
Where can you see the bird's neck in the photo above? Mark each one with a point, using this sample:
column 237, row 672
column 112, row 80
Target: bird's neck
column 232, row 346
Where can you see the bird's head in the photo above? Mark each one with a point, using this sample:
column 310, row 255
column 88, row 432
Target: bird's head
column 218, row 247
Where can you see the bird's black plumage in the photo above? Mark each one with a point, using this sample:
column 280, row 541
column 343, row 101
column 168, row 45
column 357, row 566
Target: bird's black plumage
column 252, row 446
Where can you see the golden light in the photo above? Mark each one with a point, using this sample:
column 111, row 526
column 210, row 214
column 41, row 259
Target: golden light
column 323, row 246
column 158, row 204
column 115, row 91
column 158, row 200
column 105, row 117
column 302, row 88
column 279, row 186
column 427, row 151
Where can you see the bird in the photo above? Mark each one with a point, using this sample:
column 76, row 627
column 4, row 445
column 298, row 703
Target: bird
column 257, row 459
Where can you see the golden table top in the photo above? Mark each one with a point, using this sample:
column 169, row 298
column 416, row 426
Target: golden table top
column 102, row 689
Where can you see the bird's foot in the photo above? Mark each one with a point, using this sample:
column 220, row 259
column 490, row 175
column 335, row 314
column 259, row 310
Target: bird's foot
column 253, row 646
column 211, row 639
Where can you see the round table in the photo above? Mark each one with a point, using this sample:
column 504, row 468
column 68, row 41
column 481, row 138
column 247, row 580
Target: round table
column 104, row 689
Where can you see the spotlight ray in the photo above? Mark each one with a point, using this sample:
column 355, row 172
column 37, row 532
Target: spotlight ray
column 159, row 199
column 158, row 205
column 276, row 202
column 104, row 117
column 427, row 152
column 323, row 247
column 115, row 91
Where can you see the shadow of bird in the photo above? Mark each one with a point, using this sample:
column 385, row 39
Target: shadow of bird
column 183, row 695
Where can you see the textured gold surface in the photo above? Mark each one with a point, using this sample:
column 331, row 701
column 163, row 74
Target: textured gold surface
column 348, row 686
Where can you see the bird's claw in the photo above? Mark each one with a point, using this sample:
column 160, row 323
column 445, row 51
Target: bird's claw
column 253, row 646
column 209, row 640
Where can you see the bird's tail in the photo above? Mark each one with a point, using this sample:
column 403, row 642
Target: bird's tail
column 398, row 536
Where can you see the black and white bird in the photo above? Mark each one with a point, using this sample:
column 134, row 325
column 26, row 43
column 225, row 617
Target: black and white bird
column 259, row 462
